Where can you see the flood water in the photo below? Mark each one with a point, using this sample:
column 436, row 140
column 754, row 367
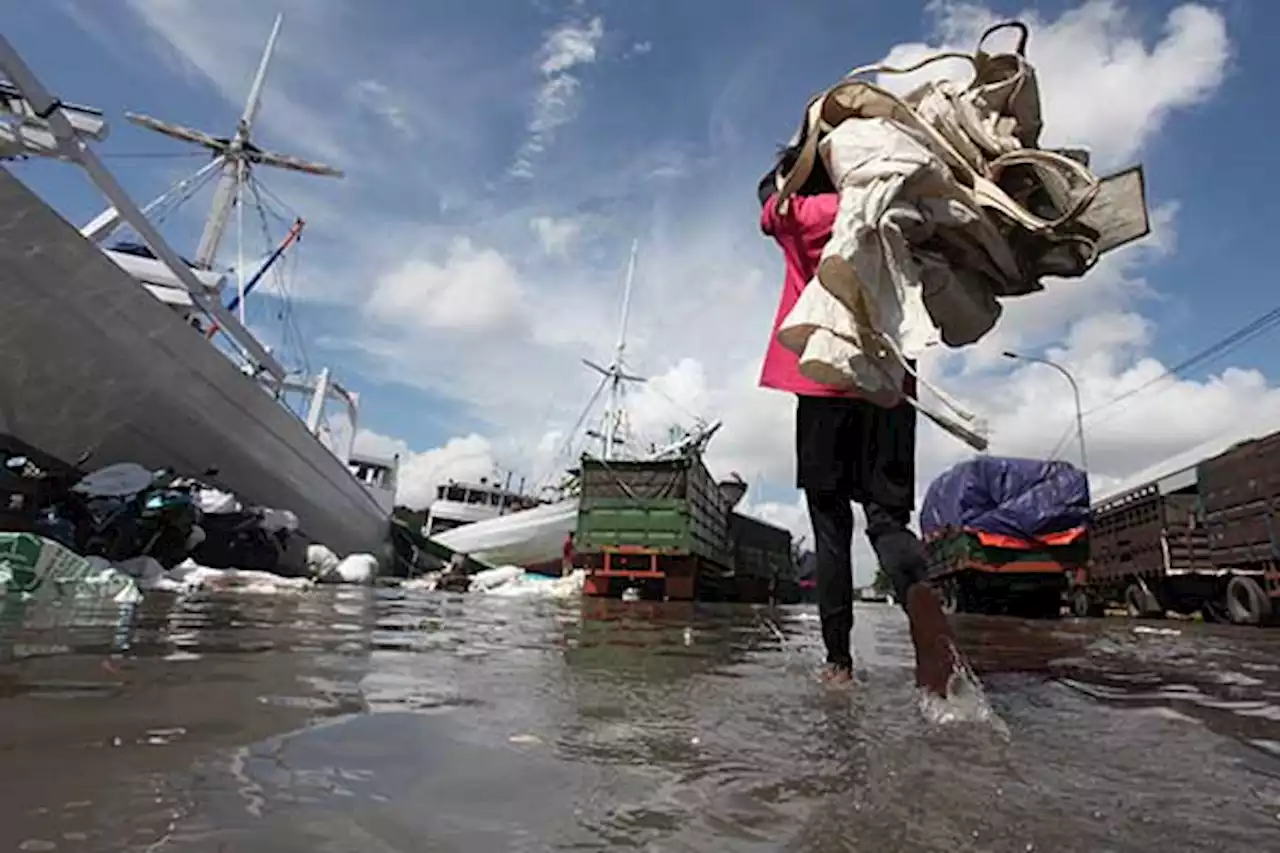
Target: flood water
column 383, row 720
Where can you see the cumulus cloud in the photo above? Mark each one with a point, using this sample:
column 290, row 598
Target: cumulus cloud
column 1100, row 82
column 706, row 284
column 468, row 457
column 566, row 48
column 472, row 289
column 703, row 304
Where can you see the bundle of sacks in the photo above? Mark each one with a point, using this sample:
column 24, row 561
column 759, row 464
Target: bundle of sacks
column 947, row 205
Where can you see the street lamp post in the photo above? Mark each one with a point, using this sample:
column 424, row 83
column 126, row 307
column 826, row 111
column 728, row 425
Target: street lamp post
column 1075, row 390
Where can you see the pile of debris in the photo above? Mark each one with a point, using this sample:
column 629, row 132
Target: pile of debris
column 947, row 206
column 112, row 533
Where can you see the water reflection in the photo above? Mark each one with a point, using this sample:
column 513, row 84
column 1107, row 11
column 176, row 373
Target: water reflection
column 357, row 719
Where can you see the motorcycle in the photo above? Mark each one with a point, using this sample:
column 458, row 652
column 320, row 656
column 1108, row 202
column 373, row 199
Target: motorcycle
column 128, row 511
column 117, row 512
column 168, row 519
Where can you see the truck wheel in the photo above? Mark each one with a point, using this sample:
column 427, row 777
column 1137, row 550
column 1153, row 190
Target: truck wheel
column 1141, row 603
column 1246, row 602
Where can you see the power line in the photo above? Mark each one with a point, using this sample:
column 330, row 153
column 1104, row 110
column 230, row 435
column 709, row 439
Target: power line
column 1219, row 348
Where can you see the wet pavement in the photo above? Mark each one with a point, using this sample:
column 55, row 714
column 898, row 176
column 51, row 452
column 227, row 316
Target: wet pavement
column 363, row 720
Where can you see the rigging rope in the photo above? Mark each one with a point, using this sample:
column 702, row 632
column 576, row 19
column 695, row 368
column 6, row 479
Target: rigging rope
column 291, row 334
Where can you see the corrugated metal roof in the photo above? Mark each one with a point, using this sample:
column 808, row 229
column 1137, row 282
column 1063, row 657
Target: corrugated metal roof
column 1180, row 463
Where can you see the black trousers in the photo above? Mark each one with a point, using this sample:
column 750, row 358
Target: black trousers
column 850, row 451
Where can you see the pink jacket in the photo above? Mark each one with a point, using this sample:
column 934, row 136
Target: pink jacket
column 801, row 234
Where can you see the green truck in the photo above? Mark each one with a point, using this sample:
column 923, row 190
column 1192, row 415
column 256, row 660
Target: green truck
column 667, row 530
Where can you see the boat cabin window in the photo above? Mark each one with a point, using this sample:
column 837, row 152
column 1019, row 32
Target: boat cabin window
column 371, row 475
column 440, row 525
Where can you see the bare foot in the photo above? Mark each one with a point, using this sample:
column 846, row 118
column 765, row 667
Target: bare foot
column 931, row 635
column 835, row 675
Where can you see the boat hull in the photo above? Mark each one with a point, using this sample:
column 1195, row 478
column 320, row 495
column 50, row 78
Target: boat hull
column 531, row 538
column 95, row 363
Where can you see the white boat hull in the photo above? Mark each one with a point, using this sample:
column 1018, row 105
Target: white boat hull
column 531, row 537
column 93, row 362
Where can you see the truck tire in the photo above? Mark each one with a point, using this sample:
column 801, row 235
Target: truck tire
column 1247, row 603
column 1141, row 603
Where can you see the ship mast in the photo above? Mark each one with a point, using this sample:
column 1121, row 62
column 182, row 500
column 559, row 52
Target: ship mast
column 236, row 156
column 616, row 375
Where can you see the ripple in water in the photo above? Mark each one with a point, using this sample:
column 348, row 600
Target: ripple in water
column 401, row 720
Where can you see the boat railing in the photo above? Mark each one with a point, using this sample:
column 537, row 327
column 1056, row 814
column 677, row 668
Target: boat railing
column 41, row 125
column 61, row 131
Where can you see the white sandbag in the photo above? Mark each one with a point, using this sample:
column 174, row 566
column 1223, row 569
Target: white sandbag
column 537, row 586
column 487, row 579
column 320, row 560
column 355, row 569
column 193, row 577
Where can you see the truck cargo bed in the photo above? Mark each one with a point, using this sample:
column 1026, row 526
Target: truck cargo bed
column 670, row 507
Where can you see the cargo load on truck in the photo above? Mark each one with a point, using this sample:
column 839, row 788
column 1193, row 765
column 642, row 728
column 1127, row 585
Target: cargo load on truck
column 1240, row 500
column 1195, row 534
column 654, row 526
column 1003, row 534
column 764, row 566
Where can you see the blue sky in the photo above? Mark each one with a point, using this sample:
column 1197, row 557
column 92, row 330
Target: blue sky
column 502, row 154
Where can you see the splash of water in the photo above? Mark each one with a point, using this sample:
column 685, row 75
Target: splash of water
column 965, row 702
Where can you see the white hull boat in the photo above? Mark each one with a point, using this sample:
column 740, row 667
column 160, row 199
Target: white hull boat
column 100, row 352
column 531, row 538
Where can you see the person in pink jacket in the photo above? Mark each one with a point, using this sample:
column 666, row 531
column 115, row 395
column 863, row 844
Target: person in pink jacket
column 849, row 450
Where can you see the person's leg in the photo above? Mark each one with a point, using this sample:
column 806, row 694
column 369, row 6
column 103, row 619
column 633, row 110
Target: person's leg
column 824, row 471
column 831, row 515
column 889, row 478
column 900, row 552
column 902, row 555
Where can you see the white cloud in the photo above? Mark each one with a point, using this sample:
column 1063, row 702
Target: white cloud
column 1100, row 83
column 379, row 100
column 706, row 286
column 473, row 289
column 705, row 296
column 467, row 457
column 555, row 235
column 568, row 46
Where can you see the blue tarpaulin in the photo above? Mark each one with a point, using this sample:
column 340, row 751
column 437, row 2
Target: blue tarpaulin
column 1025, row 499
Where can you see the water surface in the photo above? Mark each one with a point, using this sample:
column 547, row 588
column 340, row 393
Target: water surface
column 385, row 720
